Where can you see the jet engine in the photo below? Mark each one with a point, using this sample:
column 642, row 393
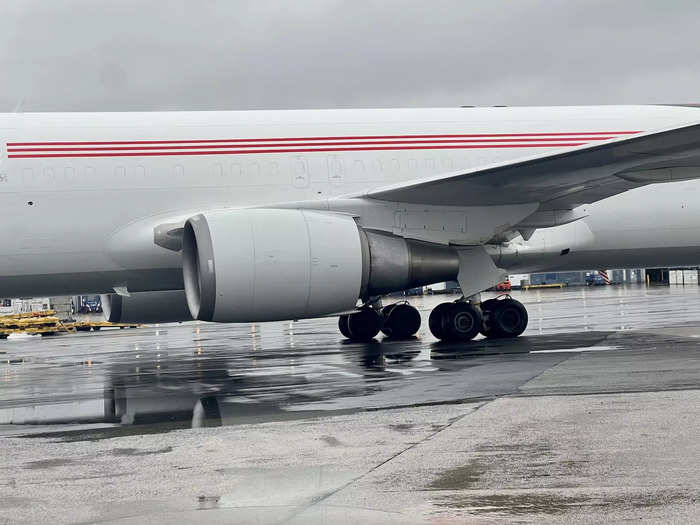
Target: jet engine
column 269, row 264
column 146, row 307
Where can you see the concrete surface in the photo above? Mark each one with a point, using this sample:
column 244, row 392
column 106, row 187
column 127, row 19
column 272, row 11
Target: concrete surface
column 593, row 416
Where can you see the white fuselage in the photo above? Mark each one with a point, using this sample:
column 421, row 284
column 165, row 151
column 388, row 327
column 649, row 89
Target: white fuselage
column 81, row 192
column 652, row 226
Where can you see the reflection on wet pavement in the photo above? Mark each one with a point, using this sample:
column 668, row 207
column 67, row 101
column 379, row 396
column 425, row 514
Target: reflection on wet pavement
column 591, row 416
column 159, row 378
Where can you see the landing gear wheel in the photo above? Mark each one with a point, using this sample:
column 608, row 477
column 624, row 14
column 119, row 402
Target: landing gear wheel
column 362, row 325
column 343, row 326
column 487, row 308
column 435, row 321
column 400, row 320
column 506, row 318
column 455, row 321
column 463, row 322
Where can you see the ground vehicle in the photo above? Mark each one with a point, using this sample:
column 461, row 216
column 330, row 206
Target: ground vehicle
column 89, row 305
column 505, row 286
column 594, row 279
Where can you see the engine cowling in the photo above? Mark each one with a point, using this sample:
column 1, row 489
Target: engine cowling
column 146, row 307
column 268, row 264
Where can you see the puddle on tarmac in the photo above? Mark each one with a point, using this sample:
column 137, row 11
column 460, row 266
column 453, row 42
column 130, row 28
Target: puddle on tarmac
column 402, row 427
column 48, row 463
column 160, row 385
column 330, row 440
column 463, row 477
column 525, row 503
column 600, row 348
column 140, row 452
column 528, row 503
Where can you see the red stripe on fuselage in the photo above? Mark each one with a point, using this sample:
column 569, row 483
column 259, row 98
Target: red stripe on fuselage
column 300, row 139
column 300, row 144
column 293, row 150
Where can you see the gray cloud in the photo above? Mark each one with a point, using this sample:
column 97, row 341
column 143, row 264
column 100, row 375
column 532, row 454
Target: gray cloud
column 98, row 55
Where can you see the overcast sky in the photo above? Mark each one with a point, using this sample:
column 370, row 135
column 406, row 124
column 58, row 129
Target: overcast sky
column 99, row 55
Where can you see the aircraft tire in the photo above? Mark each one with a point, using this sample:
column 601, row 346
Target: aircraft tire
column 343, row 326
column 508, row 319
column 401, row 320
column 436, row 320
column 462, row 322
column 364, row 324
column 487, row 308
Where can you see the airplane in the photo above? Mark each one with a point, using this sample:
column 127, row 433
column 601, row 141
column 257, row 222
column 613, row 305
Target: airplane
column 253, row 216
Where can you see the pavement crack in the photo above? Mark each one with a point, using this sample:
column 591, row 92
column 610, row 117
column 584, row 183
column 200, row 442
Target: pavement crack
column 516, row 390
column 322, row 497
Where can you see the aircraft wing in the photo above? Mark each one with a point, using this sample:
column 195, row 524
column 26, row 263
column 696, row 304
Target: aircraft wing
column 565, row 179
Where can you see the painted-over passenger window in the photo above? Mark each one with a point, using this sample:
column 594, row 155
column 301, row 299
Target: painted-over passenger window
column 335, row 169
column 300, row 172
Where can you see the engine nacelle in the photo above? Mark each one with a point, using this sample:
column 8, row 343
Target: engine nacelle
column 392, row 263
column 146, row 307
column 268, row 265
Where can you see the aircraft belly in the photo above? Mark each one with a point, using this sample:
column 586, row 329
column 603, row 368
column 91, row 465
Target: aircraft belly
column 605, row 258
column 93, row 282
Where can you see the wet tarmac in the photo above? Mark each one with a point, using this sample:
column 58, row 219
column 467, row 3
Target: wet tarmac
column 592, row 413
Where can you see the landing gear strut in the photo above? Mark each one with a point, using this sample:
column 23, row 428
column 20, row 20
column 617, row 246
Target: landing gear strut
column 397, row 321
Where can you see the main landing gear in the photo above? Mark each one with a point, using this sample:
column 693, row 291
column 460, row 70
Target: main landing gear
column 399, row 321
column 495, row 318
column 503, row 317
